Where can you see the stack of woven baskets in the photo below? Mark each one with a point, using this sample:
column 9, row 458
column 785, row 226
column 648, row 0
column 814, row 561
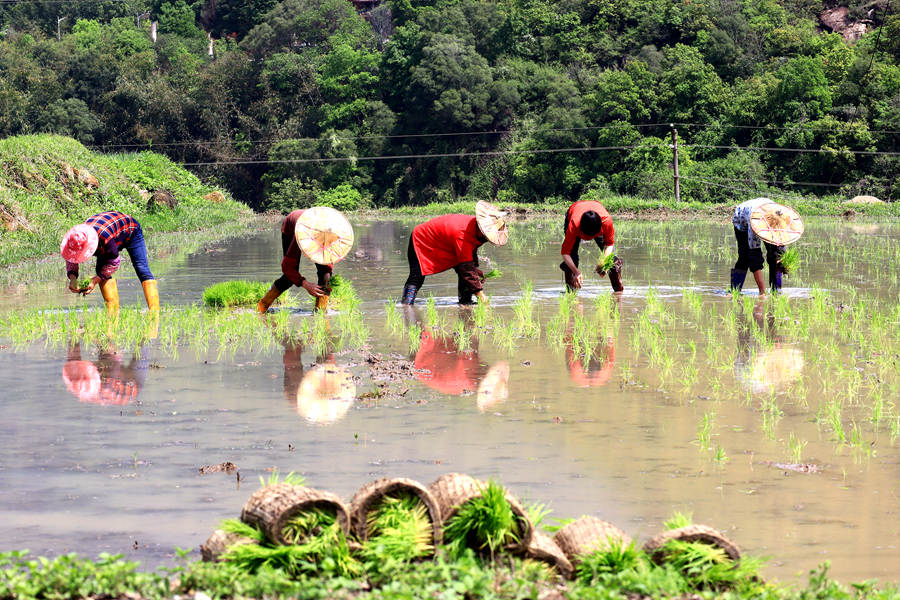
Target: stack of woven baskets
column 272, row 506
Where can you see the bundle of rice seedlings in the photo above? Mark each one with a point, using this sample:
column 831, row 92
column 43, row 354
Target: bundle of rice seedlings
column 235, row 293
column 342, row 294
column 83, row 284
column 790, row 260
column 493, row 273
column 619, row 555
column 607, row 263
column 485, row 523
column 710, row 567
column 400, row 531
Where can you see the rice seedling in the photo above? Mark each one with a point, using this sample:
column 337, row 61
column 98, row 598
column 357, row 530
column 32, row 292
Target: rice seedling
column 796, row 445
column 708, row 567
column 615, row 557
column 606, row 263
column 414, row 338
column 481, row 314
column 790, row 260
column 291, row 478
column 679, row 520
column 720, row 457
column 83, row 284
column 523, row 309
column 237, row 293
column 493, row 273
column 399, row 532
column 484, row 524
column 431, row 314
column 704, row 431
column 342, row 295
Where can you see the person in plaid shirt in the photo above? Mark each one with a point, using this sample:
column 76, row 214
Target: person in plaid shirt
column 104, row 235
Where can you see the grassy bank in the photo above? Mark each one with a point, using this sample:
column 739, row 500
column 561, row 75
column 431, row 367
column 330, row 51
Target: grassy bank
column 469, row 577
column 49, row 183
column 630, row 207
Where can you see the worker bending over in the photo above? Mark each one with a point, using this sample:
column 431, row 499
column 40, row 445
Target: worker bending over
column 589, row 220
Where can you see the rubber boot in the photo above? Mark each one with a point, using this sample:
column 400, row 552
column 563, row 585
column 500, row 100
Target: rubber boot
column 110, row 291
column 737, row 279
column 322, row 304
column 409, row 294
column 151, row 293
column 615, row 275
column 775, row 279
column 267, row 300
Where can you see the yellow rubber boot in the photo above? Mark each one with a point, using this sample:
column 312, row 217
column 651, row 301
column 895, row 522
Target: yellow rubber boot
column 110, row 291
column 267, row 300
column 322, row 304
column 151, row 293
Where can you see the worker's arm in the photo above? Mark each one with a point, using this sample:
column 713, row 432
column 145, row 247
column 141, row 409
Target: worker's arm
column 567, row 259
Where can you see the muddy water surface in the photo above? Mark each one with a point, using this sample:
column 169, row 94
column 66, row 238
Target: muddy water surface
column 730, row 418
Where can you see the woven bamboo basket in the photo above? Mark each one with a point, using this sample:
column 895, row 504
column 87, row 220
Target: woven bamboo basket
column 543, row 548
column 691, row 533
column 455, row 489
column 219, row 543
column 271, row 507
column 367, row 498
column 587, row 535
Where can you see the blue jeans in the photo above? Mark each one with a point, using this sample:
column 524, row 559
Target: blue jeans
column 137, row 250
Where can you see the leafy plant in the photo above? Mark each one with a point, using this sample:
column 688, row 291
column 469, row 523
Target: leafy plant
column 485, row 523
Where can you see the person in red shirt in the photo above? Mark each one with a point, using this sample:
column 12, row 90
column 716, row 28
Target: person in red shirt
column 588, row 220
column 452, row 242
column 599, row 368
column 290, row 267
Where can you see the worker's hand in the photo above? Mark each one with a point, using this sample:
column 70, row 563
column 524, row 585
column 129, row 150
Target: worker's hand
column 312, row 289
column 599, row 270
column 73, row 285
column 481, row 297
column 579, row 279
column 90, row 288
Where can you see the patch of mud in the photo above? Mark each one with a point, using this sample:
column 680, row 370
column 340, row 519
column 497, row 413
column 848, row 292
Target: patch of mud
column 391, row 374
column 795, row 467
column 226, row 467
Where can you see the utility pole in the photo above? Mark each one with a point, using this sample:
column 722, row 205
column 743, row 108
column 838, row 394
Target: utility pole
column 58, row 32
column 675, row 162
column 138, row 17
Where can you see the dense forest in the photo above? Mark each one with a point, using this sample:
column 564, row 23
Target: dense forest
column 405, row 102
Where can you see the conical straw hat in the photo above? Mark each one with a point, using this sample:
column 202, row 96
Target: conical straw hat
column 325, row 394
column 324, row 235
column 492, row 223
column 776, row 223
column 494, row 388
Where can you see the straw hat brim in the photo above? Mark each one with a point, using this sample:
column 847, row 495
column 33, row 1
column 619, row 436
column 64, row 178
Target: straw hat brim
column 492, row 223
column 325, row 394
column 776, row 223
column 324, row 235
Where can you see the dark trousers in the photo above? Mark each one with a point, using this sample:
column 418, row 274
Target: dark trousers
column 137, row 251
column 751, row 258
column 415, row 279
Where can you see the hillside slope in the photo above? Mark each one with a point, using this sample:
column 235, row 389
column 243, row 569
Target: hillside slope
column 49, row 183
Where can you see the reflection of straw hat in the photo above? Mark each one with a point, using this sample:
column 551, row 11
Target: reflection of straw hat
column 494, row 388
column 491, row 222
column 324, row 235
column 776, row 223
column 772, row 370
column 325, row 394
column 79, row 243
column 82, row 379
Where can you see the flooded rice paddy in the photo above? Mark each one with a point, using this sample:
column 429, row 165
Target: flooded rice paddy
column 775, row 420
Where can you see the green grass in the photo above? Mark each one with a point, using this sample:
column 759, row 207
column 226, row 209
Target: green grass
column 38, row 187
column 236, row 293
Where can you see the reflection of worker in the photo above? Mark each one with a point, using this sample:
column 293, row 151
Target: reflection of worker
column 589, row 220
column 325, row 237
column 292, row 359
column 599, row 368
column 442, row 366
column 325, row 394
column 764, row 369
column 774, row 224
column 104, row 235
column 105, row 381
column 452, row 242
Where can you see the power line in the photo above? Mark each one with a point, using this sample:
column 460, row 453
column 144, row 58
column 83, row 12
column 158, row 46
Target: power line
column 404, row 156
column 782, row 128
column 796, row 150
column 776, row 182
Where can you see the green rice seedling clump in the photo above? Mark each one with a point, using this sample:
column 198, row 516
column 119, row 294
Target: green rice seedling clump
column 790, row 260
column 707, row 566
column 83, row 284
column 399, row 532
column 606, row 263
column 484, row 524
column 493, row 273
column 342, row 296
column 234, row 293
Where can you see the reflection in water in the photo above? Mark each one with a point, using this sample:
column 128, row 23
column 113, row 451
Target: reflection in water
column 106, row 380
column 760, row 367
column 599, row 367
column 324, row 394
column 442, row 365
